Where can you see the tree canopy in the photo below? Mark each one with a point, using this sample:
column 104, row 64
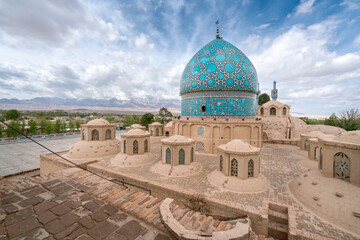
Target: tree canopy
column 12, row 114
column 263, row 98
column 164, row 114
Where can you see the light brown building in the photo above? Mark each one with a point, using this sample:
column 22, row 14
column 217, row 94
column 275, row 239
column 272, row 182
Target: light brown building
column 177, row 150
column 239, row 159
column 156, row 129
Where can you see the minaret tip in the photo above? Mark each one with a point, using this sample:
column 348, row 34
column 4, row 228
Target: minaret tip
column 217, row 29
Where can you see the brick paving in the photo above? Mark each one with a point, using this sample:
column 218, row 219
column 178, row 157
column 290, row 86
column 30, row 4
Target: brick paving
column 279, row 163
column 36, row 208
column 88, row 208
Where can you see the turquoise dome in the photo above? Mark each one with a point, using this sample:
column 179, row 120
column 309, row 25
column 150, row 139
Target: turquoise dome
column 219, row 81
column 219, row 65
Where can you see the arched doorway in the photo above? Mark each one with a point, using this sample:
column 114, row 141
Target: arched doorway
column 157, row 131
column 342, row 166
column 317, row 153
column 124, row 146
column 321, row 159
column 262, row 111
column 234, row 167
column 181, row 157
column 251, row 168
column 168, row 156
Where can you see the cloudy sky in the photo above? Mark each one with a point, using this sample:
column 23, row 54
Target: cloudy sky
column 126, row 49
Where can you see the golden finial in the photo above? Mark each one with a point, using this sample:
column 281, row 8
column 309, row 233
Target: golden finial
column 217, row 29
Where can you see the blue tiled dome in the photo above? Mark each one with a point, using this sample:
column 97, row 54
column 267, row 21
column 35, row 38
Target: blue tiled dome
column 219, row 81
column 219, row 65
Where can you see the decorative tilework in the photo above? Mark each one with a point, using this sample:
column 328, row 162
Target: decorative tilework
column 214, row 65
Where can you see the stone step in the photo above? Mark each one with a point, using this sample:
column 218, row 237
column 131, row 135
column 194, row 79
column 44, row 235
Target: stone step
column 278, row 217
column 278, row 230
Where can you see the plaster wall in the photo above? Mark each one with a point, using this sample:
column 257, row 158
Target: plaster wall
column 175, row 153
column 219, row 131
column 242, row 164
column 329, row 151
column 130, row 144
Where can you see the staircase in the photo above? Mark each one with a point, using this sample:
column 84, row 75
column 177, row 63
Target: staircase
column 278, row 221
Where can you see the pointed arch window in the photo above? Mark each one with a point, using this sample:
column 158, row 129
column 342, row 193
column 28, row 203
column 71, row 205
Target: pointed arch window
column 192, row 154
column 95, row 135
column 342, row 166
column 135, row 147
column 157, row 131
column 273, row 111
column 108, row 134
column 83, row 134
column 262, row 111
column 251, row 168
column 221, row 163
column 146, row 145
column 181, row 157
column 168, row 156
column 234, row 167
column 284, row 111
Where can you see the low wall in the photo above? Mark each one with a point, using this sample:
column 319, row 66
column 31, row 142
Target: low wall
column 50, row 163
column 220, row 209
column 283, row 141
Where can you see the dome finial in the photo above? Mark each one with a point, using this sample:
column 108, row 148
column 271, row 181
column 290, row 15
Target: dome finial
column 217, row 29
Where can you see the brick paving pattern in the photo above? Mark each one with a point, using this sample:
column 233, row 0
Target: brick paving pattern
column 72, row 205
column 279, row 163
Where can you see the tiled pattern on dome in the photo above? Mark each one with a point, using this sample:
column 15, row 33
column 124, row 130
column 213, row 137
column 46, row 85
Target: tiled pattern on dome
column 219, row 65
column 219, row 104
column 219, row 107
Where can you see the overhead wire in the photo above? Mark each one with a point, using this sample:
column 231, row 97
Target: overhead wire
column 116, row 181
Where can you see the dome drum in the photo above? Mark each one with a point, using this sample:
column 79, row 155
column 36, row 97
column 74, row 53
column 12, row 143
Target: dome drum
column 219, row 104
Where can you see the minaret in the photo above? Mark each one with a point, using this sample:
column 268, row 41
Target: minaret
column 274, row 92
column 217, row 29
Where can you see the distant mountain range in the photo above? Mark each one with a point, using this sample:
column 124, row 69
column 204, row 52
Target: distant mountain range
column 134, row 103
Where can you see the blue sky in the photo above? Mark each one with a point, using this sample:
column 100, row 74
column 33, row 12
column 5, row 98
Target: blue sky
column 127, row 49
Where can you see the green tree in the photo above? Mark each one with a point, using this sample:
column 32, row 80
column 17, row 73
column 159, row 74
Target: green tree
column 350, row 119
column 263, row 98
column 71, row 126
column 32, row 127
column 1, row 129
column 165, row 115
column 57, row 126
column 146, row 119
column 43, row 125
column 12, row 114
column 77, row 124
column 130, row 120
column 63, row 127
column 23, row 127
column 13, row 129
column 49, row 127
column 333, row 120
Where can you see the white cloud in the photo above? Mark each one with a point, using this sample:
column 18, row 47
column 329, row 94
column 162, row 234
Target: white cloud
column 263, row 26
column 305, row 7
column 357, row 40
column 304, row 67
column 141, row 42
